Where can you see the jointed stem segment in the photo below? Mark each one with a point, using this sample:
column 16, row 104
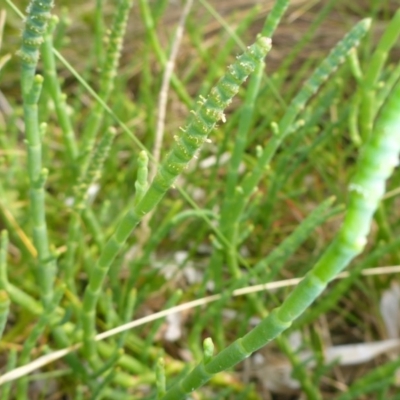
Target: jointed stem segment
column 107, row 77
column 239, row 193
column 32, row 38
column 377, row 161
column 327, row 67
column 59, row 99
column 184, row 149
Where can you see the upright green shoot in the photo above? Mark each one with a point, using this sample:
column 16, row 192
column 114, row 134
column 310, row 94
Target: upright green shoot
column 32, row 38
column 108, row 74
column 235, row 204
column 59, row 99
column 369, row 85
column 377, row 161
column 185, row 147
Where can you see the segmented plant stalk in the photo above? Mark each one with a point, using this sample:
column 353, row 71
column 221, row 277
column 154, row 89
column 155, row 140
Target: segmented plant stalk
column 184, row 149
column 238, row 195
column 369, row 84
column 46, row 268
column 389, row 83
column 95, row 167
column 271, row 23
column 245, row 123
column 59, row 99
column 108, row 73
column 289, row 162
column 229, row 221
column 321, row 74
column 81, row 209
column 32, row 38
column 87, row 178
column 141, row 183
column 377, row 161
column 274, row 17
column 340, row 289
column 368, row 102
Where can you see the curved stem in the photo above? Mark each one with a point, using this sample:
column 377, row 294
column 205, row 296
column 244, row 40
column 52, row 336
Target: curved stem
column 376, row 163
column 184, row 149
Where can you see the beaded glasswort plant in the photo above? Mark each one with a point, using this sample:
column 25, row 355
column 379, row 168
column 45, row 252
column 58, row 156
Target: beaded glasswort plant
column 78, row 284
column 378, row 159
column 184, row 149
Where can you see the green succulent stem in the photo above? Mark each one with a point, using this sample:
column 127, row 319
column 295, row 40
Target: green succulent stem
column 376, row 163
column 32, row 38
column 228, row 222
column 107, row 78
column 274, row 17
column 184, row 149
column 81, row 210
column 285, row 127
column 141, row 183
column 38, row 15
column 369, row 85
column 59, row 100
column 46, row 267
